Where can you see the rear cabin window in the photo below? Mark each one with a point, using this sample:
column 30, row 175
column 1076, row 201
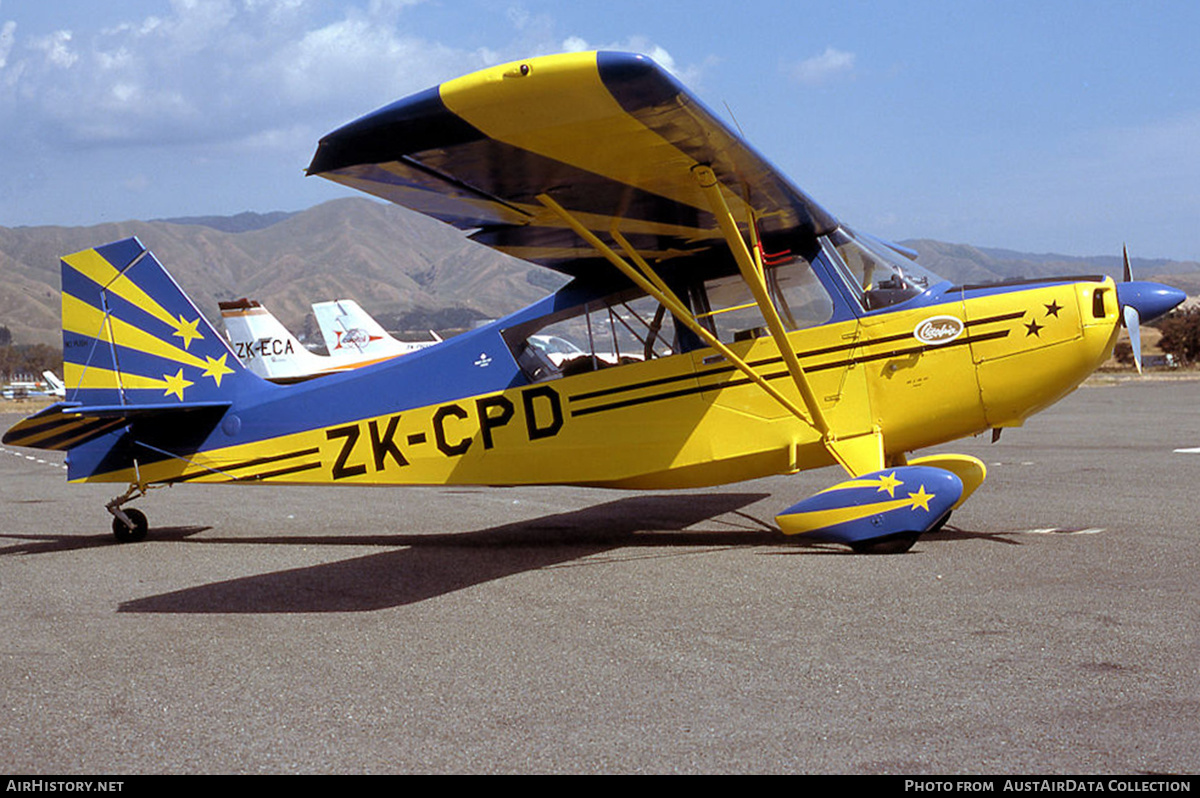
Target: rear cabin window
column 608, row 332
column 631, row 327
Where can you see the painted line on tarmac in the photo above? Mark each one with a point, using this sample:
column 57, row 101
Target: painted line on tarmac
column 1054, row 530
column 32, row 458
column 1195, row 450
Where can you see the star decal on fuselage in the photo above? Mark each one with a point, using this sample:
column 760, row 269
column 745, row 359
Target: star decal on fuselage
column 176, row 384
column 217, row 369
column 187, row 331
column 1053, row 308
column 1033, row 328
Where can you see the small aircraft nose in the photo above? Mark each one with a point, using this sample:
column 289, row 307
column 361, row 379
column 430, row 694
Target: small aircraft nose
column 1150, row 300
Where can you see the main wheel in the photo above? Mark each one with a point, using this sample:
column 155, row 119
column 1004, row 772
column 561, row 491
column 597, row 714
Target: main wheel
column 938, row 526
column 140, row 527
column 889, row 544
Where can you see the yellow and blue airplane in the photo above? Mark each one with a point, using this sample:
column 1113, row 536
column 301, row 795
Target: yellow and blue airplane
column 720, row 326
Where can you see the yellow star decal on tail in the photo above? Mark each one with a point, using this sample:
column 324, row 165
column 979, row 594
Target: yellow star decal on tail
column 889, row 483
column 176, row 384
column 921, row 499
column 187, row 331
column 217, row 369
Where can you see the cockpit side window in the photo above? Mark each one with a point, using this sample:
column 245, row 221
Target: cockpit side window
column 727, row 307
column 623, row 328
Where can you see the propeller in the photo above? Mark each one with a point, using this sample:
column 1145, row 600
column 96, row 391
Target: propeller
column 1142, row 301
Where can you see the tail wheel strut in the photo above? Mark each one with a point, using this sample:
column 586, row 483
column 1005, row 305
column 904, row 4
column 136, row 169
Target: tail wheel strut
column 128, row 526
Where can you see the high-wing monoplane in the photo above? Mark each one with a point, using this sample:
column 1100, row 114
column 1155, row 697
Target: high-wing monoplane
column 727, row 327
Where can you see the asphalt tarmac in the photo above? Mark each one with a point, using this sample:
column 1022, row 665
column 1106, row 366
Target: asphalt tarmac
column 1051, row 628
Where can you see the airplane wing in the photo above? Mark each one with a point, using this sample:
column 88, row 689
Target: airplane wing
column 610, row 137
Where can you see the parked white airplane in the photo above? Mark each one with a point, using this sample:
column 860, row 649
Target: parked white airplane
column 351, row 332
column 268, row 349
column 56, row 387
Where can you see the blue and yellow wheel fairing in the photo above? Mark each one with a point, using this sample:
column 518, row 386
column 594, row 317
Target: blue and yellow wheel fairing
column 907, row 499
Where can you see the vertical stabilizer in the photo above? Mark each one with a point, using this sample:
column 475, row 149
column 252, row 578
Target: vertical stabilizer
column 351, row 334
column 131, row 337
column 266, row 347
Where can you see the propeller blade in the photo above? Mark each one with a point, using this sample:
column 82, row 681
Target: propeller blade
column 1133, row 324
column 1142, row 300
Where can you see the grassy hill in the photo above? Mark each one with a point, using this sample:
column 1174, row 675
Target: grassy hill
column 409, row 271
column 394, row 262
column 964, row 263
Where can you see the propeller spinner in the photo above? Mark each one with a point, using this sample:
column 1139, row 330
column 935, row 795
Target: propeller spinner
column 1142, row 301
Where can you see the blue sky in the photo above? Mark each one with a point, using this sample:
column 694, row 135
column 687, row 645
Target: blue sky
column 1067, row 127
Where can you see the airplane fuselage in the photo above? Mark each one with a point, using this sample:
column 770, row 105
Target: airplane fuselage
column 953, row 362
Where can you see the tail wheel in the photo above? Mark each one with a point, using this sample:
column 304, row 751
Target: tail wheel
column 140, row 527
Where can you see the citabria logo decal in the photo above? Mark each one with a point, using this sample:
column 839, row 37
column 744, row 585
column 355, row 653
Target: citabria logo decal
column 939, row 330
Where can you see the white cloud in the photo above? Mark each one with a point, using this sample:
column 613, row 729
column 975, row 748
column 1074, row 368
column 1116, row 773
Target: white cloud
column 202, row 93
column 7, row 35
column 219, row 71
column 216, row 70
column 821, row 68
column 634, row 44
column 57, row 48
column 575, row 44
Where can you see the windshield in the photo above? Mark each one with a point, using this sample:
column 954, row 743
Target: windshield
column 874, row 272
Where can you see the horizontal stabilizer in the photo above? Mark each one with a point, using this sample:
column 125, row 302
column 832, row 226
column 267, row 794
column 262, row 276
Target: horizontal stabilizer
column 56, row 427
column 65, row 425
column 143, row 411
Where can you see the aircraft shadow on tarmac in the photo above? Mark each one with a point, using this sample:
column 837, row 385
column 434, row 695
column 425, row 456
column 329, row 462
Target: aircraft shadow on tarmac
column 48, row 542
column 425, row 566
column 431, row 565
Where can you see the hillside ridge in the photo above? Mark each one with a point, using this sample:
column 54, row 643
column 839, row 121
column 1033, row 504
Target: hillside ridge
column 406, row 269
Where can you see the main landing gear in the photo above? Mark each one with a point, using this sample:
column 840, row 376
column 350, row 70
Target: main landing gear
column 889, row 544
column 128, row 526
column 884, row 512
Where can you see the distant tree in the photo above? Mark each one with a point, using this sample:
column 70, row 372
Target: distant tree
column 1181, row 336
column 41, row 357
column 30, row 359
column 10, row 361
column 1123, row 352
column 5, row 336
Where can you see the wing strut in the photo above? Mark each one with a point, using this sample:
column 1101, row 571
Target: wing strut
column 858, row 453
column 652, row 284
column 752, row 272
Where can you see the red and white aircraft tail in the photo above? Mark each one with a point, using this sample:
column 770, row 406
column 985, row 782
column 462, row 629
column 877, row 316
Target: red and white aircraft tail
column 351, row 333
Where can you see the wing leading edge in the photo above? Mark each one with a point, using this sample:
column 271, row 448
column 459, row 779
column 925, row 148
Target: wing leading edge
column 611, row 137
